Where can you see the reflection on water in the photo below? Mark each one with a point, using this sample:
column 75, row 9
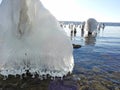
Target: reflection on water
column 90, row 40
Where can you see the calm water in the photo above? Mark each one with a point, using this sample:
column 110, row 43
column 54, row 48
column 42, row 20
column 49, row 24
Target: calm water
column 102, row 52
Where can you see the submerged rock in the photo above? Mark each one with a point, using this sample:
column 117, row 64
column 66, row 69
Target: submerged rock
column 63, row 85
column 75, row 46
column 29, row 83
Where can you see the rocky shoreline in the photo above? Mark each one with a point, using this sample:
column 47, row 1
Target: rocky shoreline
column 82, row 81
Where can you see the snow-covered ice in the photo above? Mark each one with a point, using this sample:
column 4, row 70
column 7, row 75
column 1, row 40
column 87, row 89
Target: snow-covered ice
column 90, row 27
column 32, row 39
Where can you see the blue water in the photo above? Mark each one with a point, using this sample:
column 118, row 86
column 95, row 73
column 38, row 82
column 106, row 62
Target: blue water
column 102, row 52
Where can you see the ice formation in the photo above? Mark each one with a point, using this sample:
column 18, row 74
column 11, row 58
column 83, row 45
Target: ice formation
column 32, row 39
column 90, row 27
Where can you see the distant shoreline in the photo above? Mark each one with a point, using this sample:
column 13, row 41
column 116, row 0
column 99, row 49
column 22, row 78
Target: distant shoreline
column 79, row 22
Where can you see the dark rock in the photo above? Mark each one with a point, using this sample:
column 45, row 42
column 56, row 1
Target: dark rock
column 75, row 46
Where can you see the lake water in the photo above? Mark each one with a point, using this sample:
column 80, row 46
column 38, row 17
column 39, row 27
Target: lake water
column 102, row 52
column 98, row 56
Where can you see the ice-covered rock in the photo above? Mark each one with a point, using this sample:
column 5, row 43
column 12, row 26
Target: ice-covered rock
column 32, row 39
column 90, row 27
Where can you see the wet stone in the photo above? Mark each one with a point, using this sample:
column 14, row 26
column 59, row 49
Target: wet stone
column 87, row 80
column 29, row 83
column 76, row 46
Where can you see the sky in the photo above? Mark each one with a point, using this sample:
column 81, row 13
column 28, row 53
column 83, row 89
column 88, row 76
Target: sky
column 80, row 10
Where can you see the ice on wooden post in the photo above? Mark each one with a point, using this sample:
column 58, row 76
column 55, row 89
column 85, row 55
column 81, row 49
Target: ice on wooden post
column 32, row 39
column 90, row 28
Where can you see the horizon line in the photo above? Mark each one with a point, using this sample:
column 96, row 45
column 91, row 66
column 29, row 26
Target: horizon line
column 82, row 21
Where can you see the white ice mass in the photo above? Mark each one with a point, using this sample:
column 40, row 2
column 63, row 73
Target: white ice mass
column 90, row 27
column 32, row 39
